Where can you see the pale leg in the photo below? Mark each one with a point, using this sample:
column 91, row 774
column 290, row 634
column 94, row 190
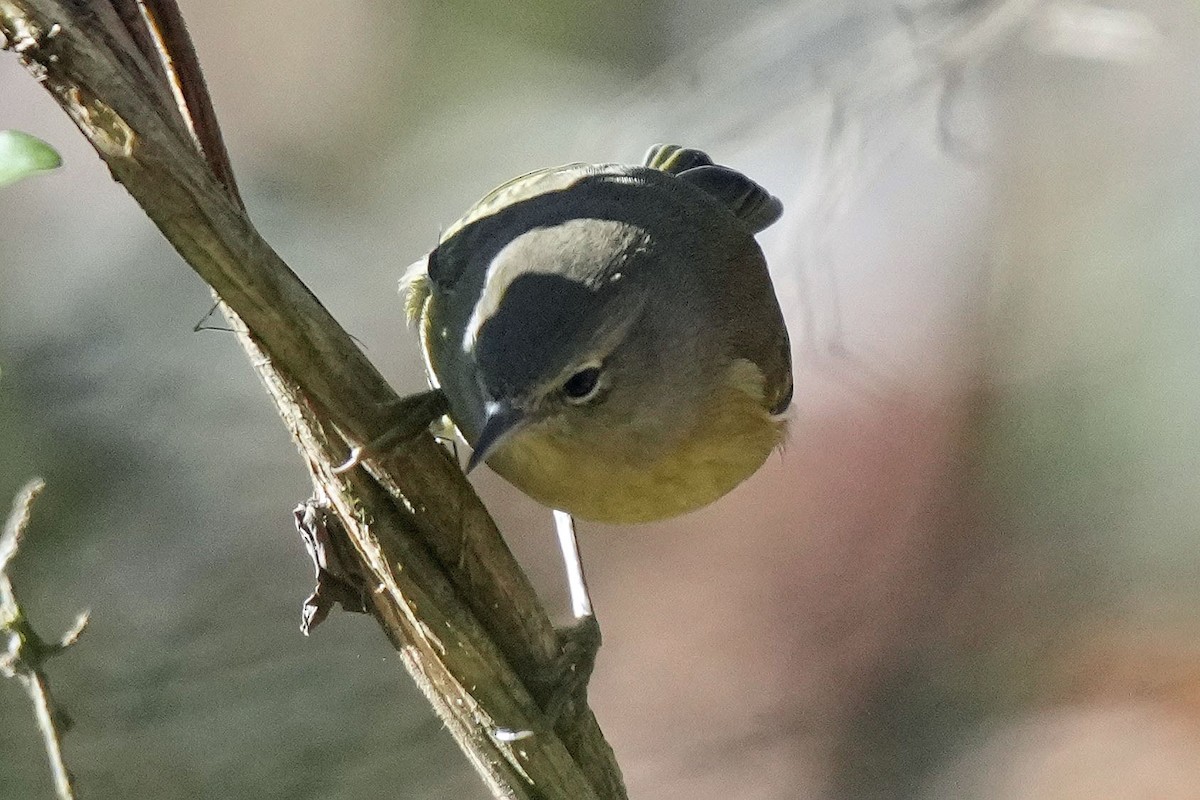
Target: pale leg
column 580, row 640
column 581, row 601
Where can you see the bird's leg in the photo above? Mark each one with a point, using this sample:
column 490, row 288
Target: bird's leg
column 579, row 641
column 568, row 543
column 411, row 415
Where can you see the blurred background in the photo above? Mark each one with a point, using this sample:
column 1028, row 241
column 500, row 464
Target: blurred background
column 973, row 571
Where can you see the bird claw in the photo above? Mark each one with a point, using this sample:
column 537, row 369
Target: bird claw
column 565, row 681
column 357, row 454
column 412, row 414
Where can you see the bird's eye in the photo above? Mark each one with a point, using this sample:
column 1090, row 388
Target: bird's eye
column 583, row 385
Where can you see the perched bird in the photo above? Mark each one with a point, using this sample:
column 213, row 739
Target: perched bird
column 607, row 336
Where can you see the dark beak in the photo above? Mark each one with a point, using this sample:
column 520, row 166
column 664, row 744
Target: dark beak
column 501, row 421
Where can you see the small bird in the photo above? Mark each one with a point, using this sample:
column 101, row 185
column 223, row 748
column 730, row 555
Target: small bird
column 607, row 336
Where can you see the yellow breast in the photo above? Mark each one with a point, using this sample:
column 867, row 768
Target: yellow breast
column 728, row 444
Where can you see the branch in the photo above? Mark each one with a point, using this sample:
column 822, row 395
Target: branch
column 27, row 652
column 446, row 589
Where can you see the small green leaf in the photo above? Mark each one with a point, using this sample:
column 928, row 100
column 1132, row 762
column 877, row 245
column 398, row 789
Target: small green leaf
column 22, row 155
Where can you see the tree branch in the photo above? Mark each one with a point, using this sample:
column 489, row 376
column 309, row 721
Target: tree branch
column 446, row 589
column 26, row 652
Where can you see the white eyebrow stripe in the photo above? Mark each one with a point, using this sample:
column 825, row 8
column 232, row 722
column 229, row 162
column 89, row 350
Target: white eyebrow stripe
column 500, row 274
column 582, row 249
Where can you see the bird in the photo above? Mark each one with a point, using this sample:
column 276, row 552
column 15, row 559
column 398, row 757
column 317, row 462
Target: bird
column 608, row 337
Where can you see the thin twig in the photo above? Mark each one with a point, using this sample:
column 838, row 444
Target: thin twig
column 26, row 652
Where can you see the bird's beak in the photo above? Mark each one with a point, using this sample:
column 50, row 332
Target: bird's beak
column 501, row 420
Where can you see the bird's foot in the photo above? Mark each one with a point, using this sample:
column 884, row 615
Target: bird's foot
column 411, row 415
column 564, row 683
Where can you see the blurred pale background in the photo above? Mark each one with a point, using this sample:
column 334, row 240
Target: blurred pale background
column 973, row 572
